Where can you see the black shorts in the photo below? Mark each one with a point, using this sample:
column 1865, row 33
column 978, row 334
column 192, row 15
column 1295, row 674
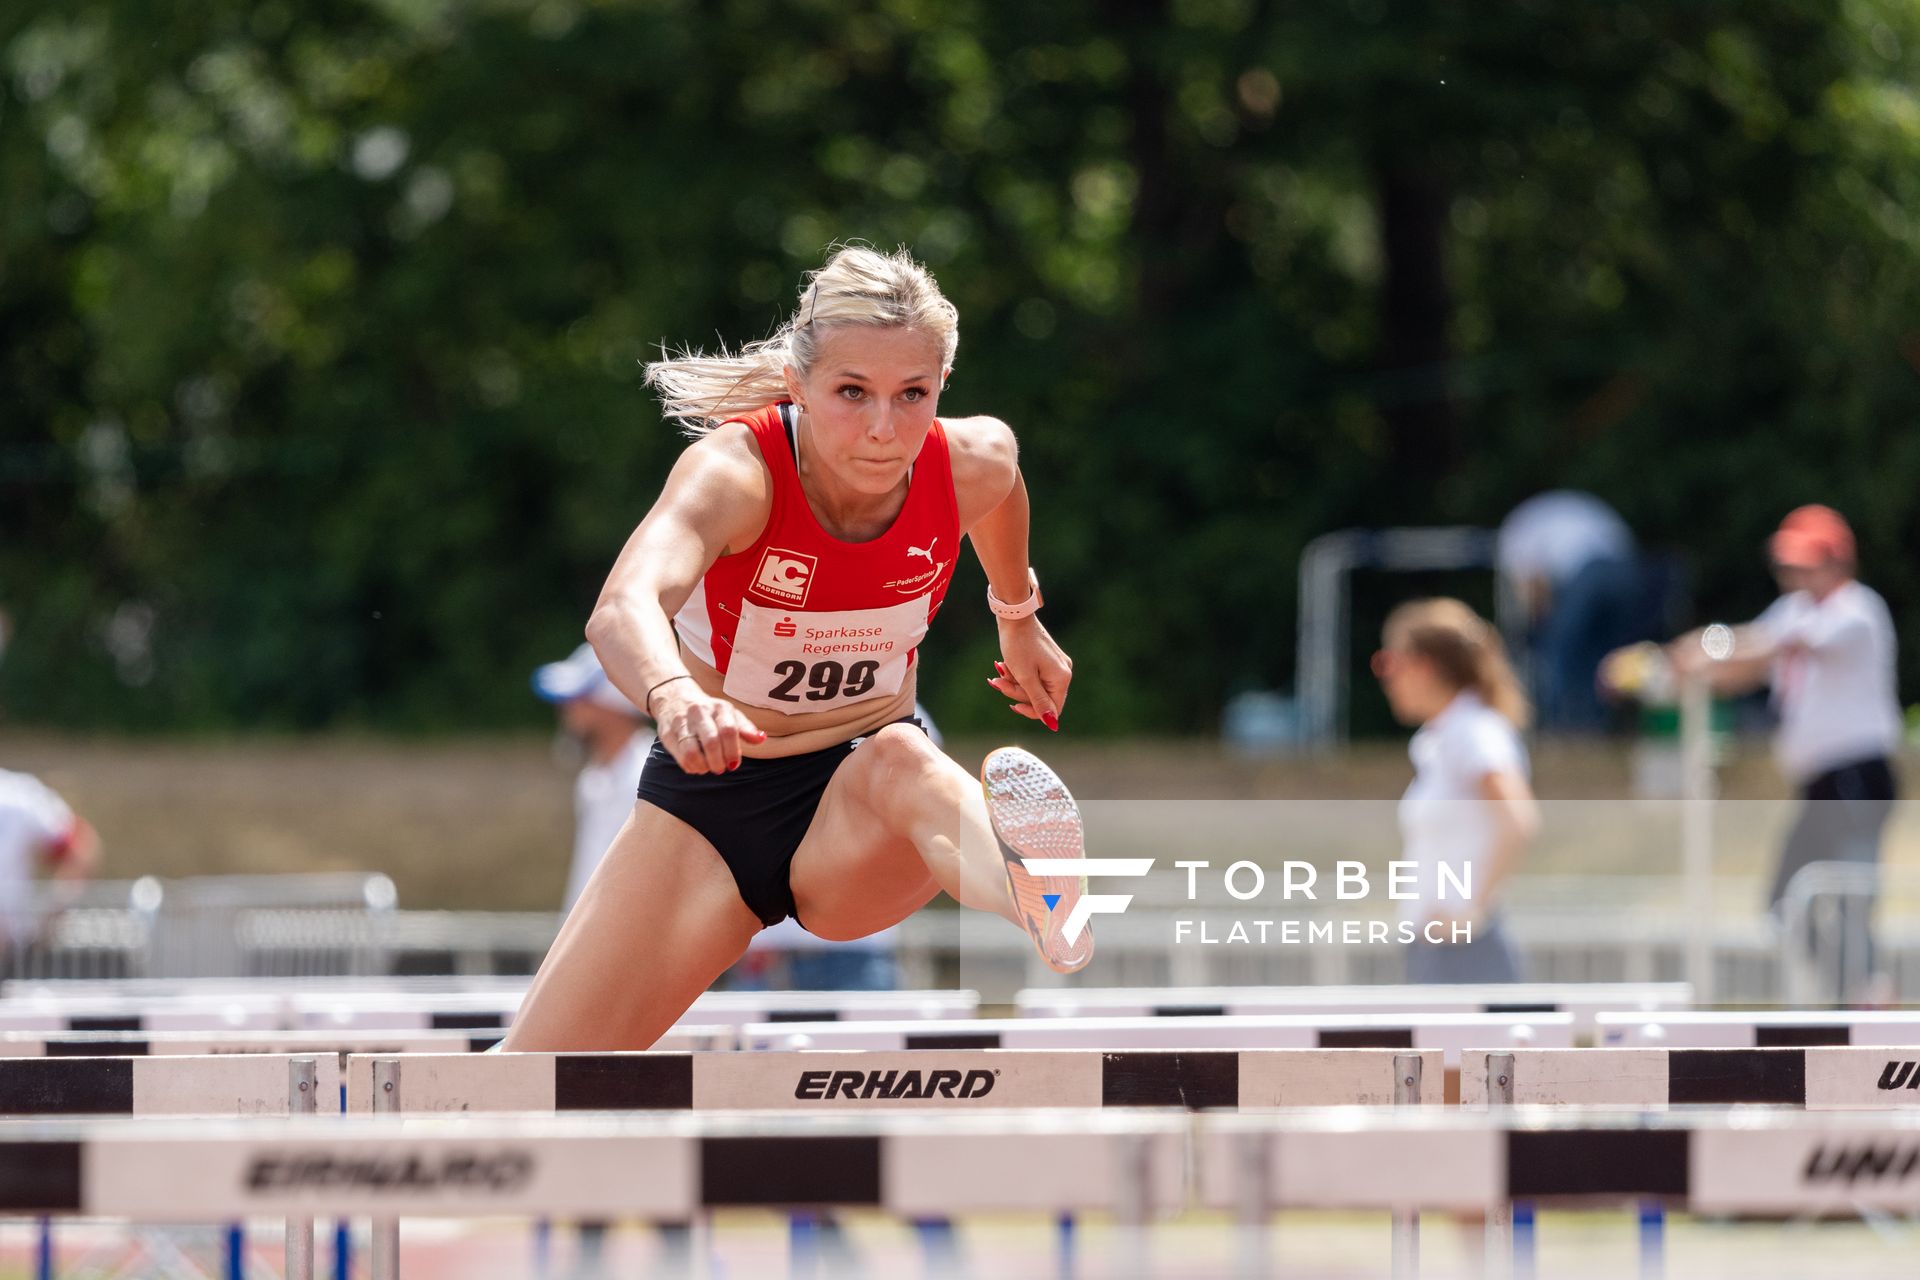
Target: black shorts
column 755, row 816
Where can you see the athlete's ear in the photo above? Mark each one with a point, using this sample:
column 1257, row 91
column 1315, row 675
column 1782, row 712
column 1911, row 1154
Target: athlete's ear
column 793, row 386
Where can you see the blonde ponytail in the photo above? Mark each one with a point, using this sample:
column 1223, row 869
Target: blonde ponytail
column 857, row 286
column 1464, row 648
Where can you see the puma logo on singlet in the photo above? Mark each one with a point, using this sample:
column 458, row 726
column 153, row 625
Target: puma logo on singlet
column 925, row 552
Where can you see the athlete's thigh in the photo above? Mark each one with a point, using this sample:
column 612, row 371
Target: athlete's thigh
column 659, row 920
column 859, row 870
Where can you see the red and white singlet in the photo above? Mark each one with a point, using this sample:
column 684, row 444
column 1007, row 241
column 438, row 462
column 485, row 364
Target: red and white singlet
column 803, row 622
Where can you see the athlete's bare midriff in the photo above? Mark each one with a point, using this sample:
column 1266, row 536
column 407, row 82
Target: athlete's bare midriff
column 792, row 735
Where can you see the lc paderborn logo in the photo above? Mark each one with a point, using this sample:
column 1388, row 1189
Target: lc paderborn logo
column 785, row 575
column 1090, row 904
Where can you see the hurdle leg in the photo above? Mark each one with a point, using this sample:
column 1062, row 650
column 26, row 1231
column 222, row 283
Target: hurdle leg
column 343, row 1228
column 43, row 1251
column 1406, row 1221
column 236, row 1242
column 1523, row 1231
column 1653, row 1240
column 1253, row 1202
column 1133, row 1206
column 1063, row 1248
column 542, row 1248
column 303, row 1087
column 938, row 1254
column 385, row 1247
column 1499, row 1237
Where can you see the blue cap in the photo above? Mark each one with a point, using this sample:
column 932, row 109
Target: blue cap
column 579, row 675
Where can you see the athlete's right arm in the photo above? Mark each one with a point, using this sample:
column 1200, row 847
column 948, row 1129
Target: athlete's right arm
column 716, row 501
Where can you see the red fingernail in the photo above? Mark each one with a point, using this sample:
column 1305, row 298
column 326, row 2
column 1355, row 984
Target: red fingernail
column 1050, row 720
column 1001, row 667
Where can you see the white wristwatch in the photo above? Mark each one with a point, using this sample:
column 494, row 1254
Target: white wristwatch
column 1025, row 608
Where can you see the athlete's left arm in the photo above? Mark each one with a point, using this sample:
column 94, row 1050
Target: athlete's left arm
column 994, row 513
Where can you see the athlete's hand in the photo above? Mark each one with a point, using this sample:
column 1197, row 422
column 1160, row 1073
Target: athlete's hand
column 1035, row 672
column 701, row 732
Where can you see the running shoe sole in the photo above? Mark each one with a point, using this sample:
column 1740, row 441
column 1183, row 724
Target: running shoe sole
column 1034, row 816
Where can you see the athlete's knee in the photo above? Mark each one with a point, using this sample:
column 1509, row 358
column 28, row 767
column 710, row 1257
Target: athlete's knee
column 900, row 746
column 900, row 761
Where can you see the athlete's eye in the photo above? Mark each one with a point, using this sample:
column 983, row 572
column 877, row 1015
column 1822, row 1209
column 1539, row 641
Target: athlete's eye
column 915, row 393
column 852, row 392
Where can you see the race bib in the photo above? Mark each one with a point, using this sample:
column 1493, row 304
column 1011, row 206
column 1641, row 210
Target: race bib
column 785, row 660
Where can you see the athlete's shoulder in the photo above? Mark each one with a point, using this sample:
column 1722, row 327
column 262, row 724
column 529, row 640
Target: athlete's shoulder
column 985, row 456
column 727, row 457
column 721, row 486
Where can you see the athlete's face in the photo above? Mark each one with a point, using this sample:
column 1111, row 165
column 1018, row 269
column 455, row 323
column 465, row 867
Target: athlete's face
column 1415, row 692
column 869, row 399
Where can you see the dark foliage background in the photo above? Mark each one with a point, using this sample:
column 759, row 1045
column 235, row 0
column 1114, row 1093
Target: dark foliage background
column 321, row 323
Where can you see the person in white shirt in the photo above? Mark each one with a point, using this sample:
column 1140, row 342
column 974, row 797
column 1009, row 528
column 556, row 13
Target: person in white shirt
column 1827, row 647
column 1470, row 808
column 612, row 733
column 38, row 831
column 1571, row 561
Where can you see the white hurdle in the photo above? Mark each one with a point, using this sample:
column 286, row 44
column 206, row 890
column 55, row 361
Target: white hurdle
column 683, row 1037
column 268, row 1005
column 209, row 1086
column 1654, row 1079
column 832, row 1081
column 1131, row 1163
column 1822, row 1078
column 1774, row 1162
column 1448, row 1032
column 920, row 1081
column 1583, row 1000
column 1764, row 1028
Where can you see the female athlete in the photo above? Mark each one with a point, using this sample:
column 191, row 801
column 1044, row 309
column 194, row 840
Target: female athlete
column 766, row 614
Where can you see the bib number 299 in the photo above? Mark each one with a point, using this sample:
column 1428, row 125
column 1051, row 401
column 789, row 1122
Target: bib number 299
column 825, row 680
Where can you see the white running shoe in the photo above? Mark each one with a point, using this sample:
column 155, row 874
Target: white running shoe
column 1034, row 817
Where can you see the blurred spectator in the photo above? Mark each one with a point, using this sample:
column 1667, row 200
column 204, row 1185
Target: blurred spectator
column 38, row 831
column 1570, row 560
column 1827, row 647
column 1470, row 804
column 815, row 964
column 610, row 730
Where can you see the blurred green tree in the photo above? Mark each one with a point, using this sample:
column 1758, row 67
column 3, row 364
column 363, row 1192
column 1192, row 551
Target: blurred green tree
column 321, row 324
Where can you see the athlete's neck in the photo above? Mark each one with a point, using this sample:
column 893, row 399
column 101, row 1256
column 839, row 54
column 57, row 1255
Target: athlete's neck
column 841, row 510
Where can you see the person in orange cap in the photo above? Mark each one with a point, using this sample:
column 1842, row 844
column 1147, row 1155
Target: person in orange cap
column 1827, row 647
